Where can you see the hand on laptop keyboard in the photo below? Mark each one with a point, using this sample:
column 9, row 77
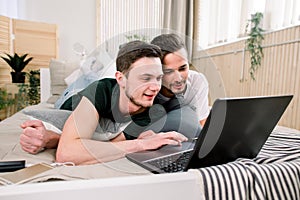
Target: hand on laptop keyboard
column 150, row 140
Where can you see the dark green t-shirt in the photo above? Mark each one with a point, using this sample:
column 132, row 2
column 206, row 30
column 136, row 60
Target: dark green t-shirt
column 104, row 95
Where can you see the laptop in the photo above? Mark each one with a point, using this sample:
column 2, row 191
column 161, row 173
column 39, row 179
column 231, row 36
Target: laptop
column 235, row 128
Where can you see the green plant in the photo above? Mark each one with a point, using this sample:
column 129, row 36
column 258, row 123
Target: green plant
column 29, row 93
column 254, row 42
column 34, row 87
column 16, row 62
column 133, row 37
column 5, row 100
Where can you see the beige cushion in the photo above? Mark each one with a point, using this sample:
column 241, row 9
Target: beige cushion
column 59, row 70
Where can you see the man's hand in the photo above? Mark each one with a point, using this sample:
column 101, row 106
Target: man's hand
column 35, row 137
column 150, row 140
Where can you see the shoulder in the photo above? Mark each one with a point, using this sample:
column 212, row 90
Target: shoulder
column 100, row 94
column 197, row 78
column 99, row 89
column 102, row 83
column 196, row 75
column 106, row 82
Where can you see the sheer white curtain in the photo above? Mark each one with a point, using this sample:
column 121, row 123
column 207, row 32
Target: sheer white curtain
column 117, row 19
column 221, row 21
column 281, row 13
column 178, row 17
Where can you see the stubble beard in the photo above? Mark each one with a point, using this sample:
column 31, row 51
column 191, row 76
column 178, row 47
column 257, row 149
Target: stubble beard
column 136, row 103
column 176, row 91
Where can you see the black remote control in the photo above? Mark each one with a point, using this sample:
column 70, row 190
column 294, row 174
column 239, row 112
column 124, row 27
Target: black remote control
column 10, row 166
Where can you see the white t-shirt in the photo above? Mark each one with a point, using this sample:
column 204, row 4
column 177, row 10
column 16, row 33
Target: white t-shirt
column 196, row 94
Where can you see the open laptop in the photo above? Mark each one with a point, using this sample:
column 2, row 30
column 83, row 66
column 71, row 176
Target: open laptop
column 235, row 128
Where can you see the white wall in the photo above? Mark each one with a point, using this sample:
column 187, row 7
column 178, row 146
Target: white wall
column 8, row 8
column 76, row 20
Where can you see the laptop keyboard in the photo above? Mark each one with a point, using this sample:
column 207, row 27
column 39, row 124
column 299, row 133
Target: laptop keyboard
column 172, row 163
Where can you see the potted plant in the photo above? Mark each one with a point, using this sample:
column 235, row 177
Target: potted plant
column 254, row 42
column 17, row 63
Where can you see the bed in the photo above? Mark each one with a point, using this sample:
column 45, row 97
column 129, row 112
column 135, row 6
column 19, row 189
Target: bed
column 273, row 174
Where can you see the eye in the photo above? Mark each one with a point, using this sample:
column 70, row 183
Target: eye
column 146, row 78
column 167, row 71
column 183, row 68
column 159, row 78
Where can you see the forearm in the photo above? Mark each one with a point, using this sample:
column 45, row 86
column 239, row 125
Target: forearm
column 148, row 140
column 109, row 151
column 92, row 151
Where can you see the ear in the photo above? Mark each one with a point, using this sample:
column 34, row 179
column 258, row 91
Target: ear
column 121, row 79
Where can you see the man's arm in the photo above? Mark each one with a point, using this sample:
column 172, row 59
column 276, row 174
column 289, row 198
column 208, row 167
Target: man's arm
column 76, row 145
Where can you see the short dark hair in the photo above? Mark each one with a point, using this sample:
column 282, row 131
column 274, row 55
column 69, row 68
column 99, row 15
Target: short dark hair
column 169, row 43
column 134, row 50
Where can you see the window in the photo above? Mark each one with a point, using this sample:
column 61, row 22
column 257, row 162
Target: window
column 224, row 21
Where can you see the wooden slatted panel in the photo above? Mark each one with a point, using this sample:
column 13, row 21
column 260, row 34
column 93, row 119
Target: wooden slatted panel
column 5, row 43
column 295, row 63
column 279, row 73
column 37, row 39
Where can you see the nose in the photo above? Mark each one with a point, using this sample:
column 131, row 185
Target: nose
column 177, row 76
column 155, row 85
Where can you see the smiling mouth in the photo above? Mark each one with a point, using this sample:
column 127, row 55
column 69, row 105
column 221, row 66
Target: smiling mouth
column 149, row 96
column 178, row 86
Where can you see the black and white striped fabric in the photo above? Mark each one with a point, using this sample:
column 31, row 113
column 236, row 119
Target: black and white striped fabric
column 273, row 174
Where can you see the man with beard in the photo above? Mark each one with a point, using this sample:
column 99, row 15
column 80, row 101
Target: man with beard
column 108, row 102
column 178, row 80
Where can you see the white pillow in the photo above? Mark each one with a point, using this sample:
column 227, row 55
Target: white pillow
column 48, row 126
column 87, row 68
column 54, row 119
column 59, row 70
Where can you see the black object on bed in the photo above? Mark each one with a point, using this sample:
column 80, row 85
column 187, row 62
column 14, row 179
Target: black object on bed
column 10, row 166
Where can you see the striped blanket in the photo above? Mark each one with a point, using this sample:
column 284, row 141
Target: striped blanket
column 273, row 174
